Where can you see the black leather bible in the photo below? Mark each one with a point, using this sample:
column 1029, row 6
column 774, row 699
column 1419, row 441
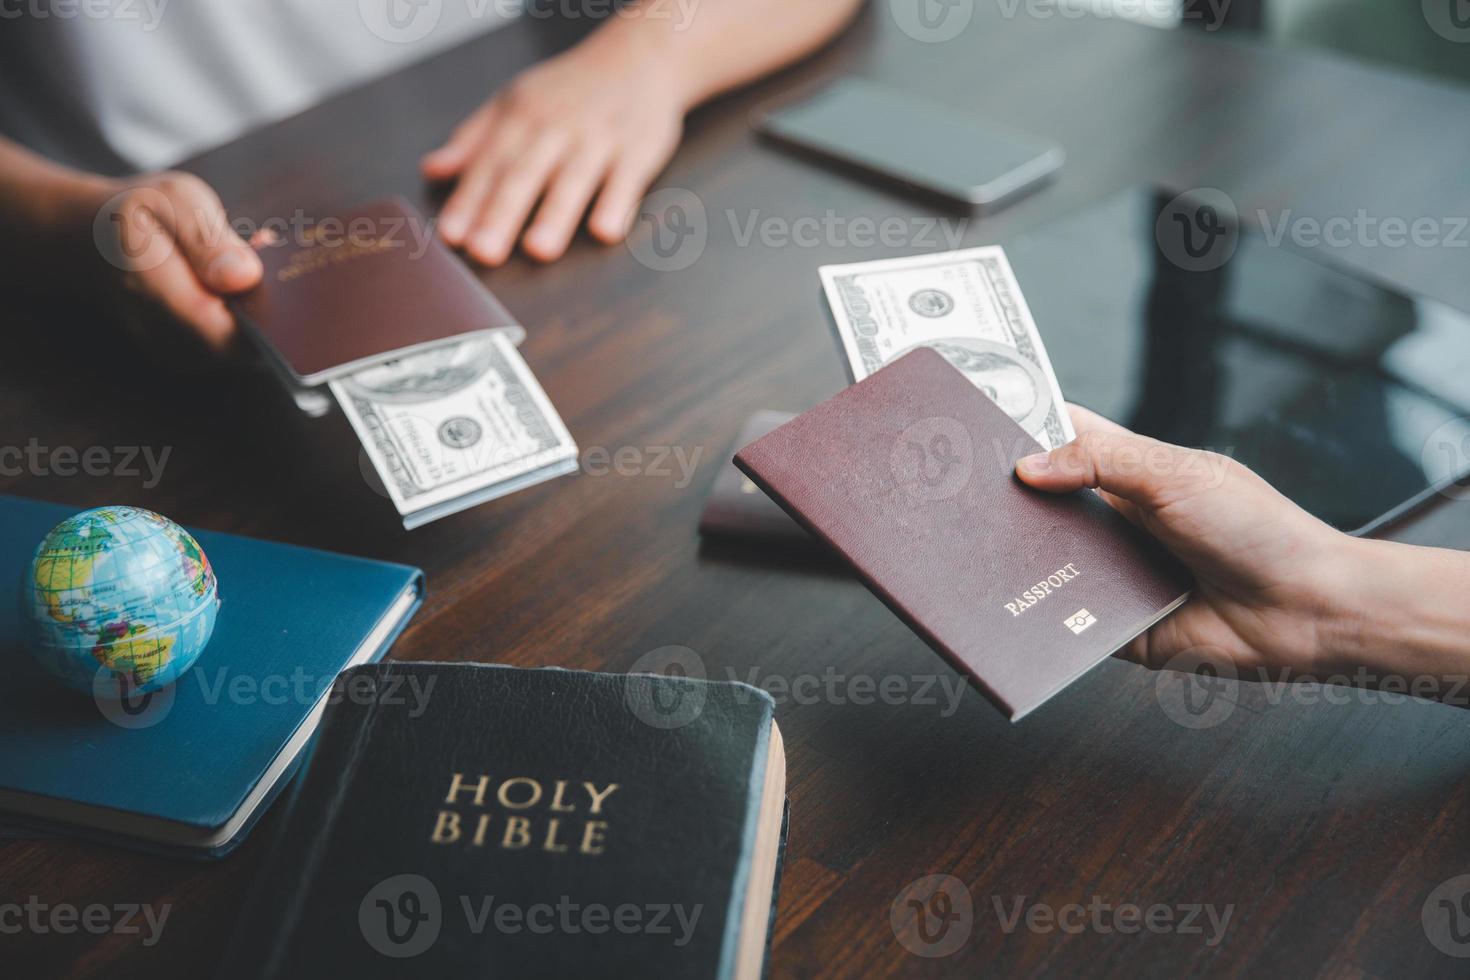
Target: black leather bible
column 467, row 820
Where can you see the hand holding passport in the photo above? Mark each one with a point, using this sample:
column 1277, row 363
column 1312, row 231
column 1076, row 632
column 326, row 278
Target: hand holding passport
column 420, row 356
column 910, row 476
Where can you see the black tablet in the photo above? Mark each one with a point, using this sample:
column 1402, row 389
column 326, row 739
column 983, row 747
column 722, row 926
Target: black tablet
column 1173, row 317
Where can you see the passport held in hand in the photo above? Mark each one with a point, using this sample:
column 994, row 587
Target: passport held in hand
column 910, row 476
column 359, row 287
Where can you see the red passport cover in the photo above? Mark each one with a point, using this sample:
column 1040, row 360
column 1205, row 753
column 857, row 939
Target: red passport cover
column 910, row 476
column 348, row 291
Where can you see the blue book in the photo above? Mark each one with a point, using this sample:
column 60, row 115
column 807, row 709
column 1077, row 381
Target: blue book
column 189, row 770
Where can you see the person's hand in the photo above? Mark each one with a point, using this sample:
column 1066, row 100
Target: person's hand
column 166, row 239
column 599, row 121
column 1271, row 582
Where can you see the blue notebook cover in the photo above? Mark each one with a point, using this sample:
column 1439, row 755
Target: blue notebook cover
column 190, row 771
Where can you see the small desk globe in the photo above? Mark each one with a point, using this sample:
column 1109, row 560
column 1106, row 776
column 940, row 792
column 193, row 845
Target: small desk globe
column 118, row 599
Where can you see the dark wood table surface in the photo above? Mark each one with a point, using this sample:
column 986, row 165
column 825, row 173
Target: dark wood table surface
column 1322, row 827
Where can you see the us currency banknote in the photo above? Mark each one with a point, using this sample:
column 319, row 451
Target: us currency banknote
column 456, row 426
column 966, row 305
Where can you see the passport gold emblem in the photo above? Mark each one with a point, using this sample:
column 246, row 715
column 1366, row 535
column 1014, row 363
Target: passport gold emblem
column 1080, row 620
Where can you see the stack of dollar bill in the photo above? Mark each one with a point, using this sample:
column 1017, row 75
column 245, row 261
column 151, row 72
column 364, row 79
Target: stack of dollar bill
column 966, row 305
column 454, row 426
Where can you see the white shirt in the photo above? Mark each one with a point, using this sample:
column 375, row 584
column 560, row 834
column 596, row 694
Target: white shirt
column 144, row 83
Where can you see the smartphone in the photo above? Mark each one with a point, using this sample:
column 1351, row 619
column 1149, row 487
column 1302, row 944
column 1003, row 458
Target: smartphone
column 922, row 146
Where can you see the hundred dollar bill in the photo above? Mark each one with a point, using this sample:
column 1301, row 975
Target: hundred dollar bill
column 456, row 426
column 966, row 305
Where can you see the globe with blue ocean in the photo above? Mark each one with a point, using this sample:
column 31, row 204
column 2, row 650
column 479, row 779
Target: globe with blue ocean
column 118, row 598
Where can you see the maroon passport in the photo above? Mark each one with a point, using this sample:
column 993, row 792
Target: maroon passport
column 910, row 476
column 350, row 289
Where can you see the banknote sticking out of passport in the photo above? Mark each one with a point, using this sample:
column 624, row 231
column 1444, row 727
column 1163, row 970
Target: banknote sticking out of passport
column 353, row 288
column 909, row 475
column 370, row 306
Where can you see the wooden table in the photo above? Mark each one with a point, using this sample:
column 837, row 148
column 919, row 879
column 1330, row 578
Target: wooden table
column 1323, row 827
